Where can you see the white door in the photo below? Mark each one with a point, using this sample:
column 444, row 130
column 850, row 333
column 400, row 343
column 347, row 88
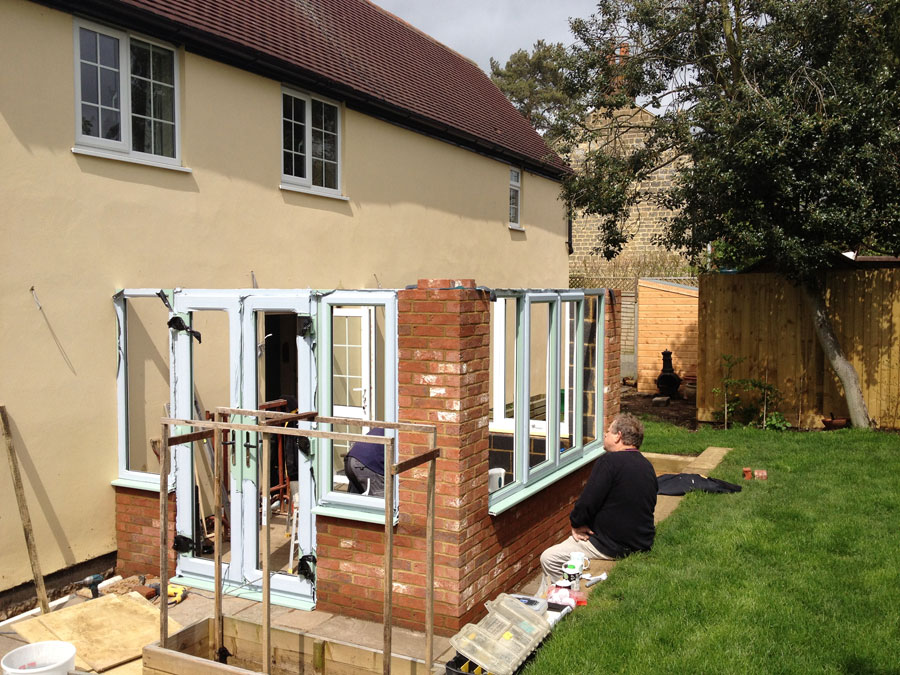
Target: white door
column 223, row 369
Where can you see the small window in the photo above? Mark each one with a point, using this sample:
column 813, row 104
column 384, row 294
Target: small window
column 126, row 94
column 515, row 197
column 310, row 142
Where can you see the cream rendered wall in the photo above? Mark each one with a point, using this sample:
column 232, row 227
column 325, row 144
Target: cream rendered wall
column 78, row 228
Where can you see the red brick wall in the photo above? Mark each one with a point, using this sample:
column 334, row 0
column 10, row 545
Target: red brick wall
column 444, row 370
column 137, row 532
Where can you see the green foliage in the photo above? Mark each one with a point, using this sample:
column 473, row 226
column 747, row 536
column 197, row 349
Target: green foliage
column 533, row 82
column 795, row 574
column 749, row 400
column 781, row 117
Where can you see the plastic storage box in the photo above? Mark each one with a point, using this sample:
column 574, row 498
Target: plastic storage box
column 504, row 638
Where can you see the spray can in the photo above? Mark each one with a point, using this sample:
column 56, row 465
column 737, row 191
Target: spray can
column 572, row 574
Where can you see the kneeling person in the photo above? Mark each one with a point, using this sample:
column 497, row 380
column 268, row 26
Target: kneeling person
column 613, row 517
column 364, row 466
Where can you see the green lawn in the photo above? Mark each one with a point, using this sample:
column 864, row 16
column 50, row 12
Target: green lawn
column 800, row 573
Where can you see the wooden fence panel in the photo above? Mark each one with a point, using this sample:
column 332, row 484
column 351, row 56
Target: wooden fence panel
column 667, row 319
column 764, row 319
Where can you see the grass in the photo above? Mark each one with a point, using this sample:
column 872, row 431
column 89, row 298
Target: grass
column 797, row 574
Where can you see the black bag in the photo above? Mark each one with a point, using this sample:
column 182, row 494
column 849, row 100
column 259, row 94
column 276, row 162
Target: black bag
column 676, row 484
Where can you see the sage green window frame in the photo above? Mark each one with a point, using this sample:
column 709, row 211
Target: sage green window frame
column 527, row 482
column 330, row 502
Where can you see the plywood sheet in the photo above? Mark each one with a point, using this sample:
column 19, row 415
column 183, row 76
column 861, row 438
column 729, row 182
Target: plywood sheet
column 106, row 632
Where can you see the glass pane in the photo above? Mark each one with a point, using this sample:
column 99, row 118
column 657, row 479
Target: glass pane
column 330, row 147
column 318, row 177
column 502, row 379
column 140, row 59
column 147, row 352
column 109, row 88
column 140, row 97
column 164, row 139
column 87, row 45
column 538, row 354
column 163, row 65
column 89, row 84
column 299, row 138
column 589, row 399
column 317, row 114
column 513, row 176
column 109, row 51
column 286, row 135
column 163, row 102
column 299, row 110
column 567, row 375
column 141, row 135
column 110, row 126
column 90, row 120
column 288, row 164
column 513, row 205
column 329, row 115
column 286, row 107
column 330, row 176
column 212, row 387
column 318, row 143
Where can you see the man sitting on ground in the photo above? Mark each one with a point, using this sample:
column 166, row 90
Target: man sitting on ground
column 613, row 517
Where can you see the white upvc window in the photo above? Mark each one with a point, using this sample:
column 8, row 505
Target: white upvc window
column 310, row 143
column 515, row 198
column 547, row 388
column 143, row 374
column 126, row 96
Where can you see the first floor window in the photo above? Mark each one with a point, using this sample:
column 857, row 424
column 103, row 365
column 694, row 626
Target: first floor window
column 310, row 142
column 515, row 194
column 126, row 93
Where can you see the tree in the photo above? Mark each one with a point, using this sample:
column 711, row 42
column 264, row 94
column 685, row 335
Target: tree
column 533, row 82
column 783, row 118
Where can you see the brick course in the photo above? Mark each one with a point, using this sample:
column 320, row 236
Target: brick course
column 137, row 531
column 476, row 555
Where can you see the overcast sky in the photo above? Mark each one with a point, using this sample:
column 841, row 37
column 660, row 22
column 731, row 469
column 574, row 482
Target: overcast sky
column 480, row 29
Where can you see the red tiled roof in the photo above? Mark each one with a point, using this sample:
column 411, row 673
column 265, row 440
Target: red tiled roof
column 357, row 49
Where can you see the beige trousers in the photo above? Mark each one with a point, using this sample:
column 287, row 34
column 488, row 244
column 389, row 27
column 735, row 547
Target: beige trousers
column 553, row 559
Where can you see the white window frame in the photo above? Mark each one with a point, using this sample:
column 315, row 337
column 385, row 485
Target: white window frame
column 121, row 149
column 528, row 481
column 334, row 502
column 296, row 183
column 143, row 480
column 515, row 184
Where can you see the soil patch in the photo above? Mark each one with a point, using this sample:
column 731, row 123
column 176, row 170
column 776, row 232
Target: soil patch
column 681, row 412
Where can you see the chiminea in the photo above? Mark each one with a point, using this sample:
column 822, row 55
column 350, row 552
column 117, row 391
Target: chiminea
column 668, row 380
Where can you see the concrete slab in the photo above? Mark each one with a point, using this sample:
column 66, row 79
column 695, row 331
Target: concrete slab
column 707, row 461
column 199, row 605
column 668, row 463
column 296, row 619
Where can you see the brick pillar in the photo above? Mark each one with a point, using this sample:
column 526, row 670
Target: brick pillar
column 137, row 532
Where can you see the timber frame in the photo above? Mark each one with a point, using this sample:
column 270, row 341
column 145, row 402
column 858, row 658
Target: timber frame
column 265, row 420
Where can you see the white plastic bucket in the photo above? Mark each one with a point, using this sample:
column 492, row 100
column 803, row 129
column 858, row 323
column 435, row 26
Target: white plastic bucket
column 49, row 658
column 496, row 477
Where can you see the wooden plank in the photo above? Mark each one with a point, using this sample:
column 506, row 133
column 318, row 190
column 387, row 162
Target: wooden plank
column 285, row 431
column 388, row 551
column 107, row 631
column 190, row 438
column 24, row 515
column 264, row 474
column 413, row 462
column 175, row 663
column 164, row 534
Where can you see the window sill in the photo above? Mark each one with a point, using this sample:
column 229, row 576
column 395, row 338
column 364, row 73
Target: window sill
column 516, row 227
column 502, row 504
column 105, row 154
column 351, row 514
column 312, row 191
column 139, row 484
